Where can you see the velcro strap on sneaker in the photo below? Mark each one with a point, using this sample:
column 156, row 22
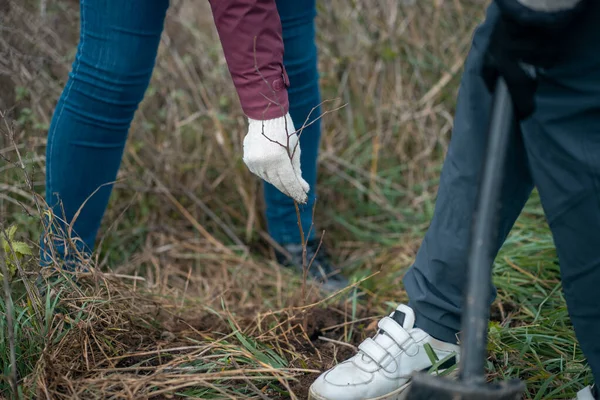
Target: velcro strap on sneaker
column 377, row 353
column 397, row 333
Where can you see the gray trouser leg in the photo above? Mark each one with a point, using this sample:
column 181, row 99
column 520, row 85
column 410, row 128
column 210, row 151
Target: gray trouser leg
column 558, row 148
column 563, row 147
column 436, row 281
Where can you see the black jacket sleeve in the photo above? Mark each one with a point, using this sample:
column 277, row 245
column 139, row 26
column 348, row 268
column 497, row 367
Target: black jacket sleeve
column 550, row 15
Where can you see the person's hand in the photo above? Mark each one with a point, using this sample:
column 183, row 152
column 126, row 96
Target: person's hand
column 523, row 39
column 510, row 45
column 272, row 152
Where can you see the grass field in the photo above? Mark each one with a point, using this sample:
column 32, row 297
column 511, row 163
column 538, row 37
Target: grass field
column 187, row 300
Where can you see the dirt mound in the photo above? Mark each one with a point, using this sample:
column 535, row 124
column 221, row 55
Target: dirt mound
column 108, row 341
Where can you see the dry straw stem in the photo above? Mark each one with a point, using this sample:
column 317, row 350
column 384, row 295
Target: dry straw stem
column 99, row 372
column 34, row 197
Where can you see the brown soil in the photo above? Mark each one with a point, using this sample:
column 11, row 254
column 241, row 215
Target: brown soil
column 321, row 354
column 500, row 312
column 312, row 352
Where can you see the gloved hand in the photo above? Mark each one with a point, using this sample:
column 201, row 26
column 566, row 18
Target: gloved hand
column 268, row 154
column 534, row 35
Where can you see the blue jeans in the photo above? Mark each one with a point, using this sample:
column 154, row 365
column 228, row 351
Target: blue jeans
column 111, row 72
column 300, row 60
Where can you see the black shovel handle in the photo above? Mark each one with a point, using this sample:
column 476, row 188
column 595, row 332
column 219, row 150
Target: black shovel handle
column 471, row 383
column 475, row 317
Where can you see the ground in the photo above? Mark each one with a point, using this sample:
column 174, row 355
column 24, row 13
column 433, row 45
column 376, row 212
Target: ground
column 186, row 303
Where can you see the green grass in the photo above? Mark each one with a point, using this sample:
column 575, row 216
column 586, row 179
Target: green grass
column 537, row 343
column 533, row 340
column 169, row 313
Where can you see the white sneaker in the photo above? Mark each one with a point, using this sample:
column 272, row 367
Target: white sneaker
column 585, row 394
column 382, row 368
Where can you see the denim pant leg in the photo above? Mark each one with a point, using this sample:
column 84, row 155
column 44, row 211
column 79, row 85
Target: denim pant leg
column 115, row 58
column 436, row 282
column 300, row 60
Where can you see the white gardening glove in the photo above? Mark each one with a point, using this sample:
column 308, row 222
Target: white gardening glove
column 267, row 152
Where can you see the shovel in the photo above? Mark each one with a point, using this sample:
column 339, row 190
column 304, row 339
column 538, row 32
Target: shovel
column 471, row 383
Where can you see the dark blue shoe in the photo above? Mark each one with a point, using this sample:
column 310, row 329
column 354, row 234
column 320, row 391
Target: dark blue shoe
column 322, row 270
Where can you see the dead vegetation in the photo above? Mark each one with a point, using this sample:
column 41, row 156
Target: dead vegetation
column 185, row 299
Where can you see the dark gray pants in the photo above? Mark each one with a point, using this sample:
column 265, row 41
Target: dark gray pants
column 558, row 151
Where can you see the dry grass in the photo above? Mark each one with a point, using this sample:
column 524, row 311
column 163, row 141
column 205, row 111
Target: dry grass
column 186, row 299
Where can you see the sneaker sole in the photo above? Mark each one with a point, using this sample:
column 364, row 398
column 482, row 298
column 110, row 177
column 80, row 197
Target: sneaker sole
column 398, row 394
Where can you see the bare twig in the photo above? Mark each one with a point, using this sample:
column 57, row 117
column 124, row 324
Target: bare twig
column 339, row 343
column 306, row 124
column 306, row 265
